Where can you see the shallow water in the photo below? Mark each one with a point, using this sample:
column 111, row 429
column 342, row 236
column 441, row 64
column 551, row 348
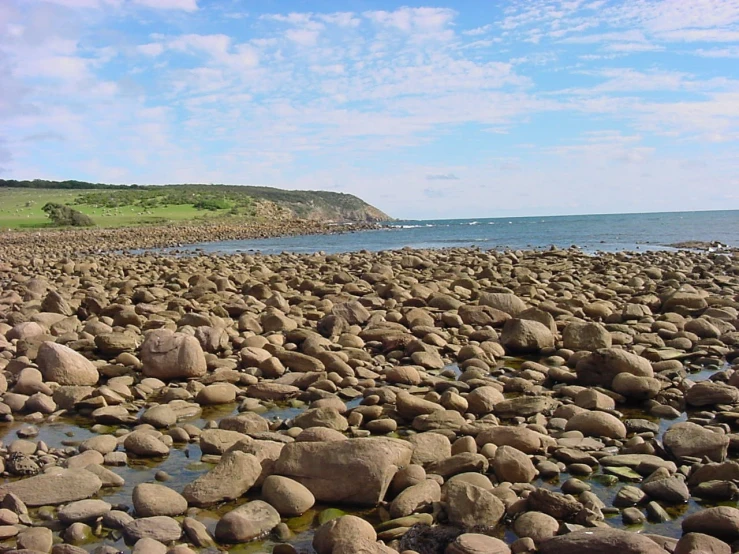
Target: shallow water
column 607, row 233
column 183, row 465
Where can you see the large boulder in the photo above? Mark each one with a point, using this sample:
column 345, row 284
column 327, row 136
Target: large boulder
column 721, row 522
column 525, row 335
column 690, row 439
column 597, row 424
column 601, row 541
column 60, row 364
column 167, row 355
column 503, row 301
column 512, row 465
column 247, row 522
column 710, row 393
column 287, row 496
column 50, row 489
column 235, row 474
column 586, row 336
column 342, row 534
column 151, row 499
column 470, row 506
column 600, row 367
column 355, row 471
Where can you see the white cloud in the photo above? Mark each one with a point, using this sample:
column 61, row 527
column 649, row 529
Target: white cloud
column 151, row 49
column 316, row 99
column 185, row 5
column 304, row 37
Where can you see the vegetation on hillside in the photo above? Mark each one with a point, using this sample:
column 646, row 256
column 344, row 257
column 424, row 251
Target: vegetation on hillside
column 215, row 199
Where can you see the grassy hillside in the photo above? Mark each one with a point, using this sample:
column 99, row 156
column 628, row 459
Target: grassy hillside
column 115, row 206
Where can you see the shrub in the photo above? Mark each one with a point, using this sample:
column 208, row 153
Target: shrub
column 66, row 216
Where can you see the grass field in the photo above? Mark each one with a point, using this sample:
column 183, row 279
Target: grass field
column 21, row 209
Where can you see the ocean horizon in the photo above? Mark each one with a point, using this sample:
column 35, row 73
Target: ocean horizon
column 591, row 233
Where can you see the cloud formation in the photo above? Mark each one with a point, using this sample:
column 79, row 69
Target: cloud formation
column 544, row 106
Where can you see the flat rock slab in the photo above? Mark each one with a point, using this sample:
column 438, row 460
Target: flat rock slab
column 50, row 489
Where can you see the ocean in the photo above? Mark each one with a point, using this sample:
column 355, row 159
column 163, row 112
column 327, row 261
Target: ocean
column 591, row 233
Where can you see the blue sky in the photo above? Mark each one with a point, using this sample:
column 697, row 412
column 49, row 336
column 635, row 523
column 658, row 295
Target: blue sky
column 452, row 109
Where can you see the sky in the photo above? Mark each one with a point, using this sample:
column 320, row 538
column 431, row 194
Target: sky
column 454, row 109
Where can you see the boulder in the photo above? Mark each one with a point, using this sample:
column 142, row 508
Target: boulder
column 246, row 523
column 525, row 335
column 167, row 355
column 51, row 489
column 340, row 534
column 503, row 301
column 690, row 439
column 721, row 522
column 416, row 498
column 469, row 505
column 159, row 528
column 355, row 471
column 287, row 496
column 602, row 541
column 635, row 387
column 586, row 336
column 513, row 466
column 60, row 364
column 600, row 367
column 150, row 499
column 235, row 473
column 475, row 543
column 597, row 424
column 710, row 393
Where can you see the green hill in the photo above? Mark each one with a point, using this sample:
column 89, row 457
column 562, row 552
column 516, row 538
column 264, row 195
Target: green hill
column 118, row 205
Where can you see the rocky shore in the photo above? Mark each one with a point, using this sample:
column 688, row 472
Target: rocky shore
column 455, row 401
column 99, row 240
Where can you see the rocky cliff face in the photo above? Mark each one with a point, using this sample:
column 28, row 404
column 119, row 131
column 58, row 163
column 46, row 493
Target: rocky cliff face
column 318, row 206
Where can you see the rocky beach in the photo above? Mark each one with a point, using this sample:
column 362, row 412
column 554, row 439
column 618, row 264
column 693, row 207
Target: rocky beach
column 452, row 401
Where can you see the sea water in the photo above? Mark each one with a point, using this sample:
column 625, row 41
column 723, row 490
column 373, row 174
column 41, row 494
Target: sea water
column 592, row 233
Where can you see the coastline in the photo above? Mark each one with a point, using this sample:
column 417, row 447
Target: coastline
column 71, row 241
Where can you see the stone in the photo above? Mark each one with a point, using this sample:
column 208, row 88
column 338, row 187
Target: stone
column 167, row 355
column 721, row 522
column 150, row 499
column 39, row 539
column 159, row 528
column 601, row 367
column 482, row 400
column 248, row 522
column 356, row 471
column 469, row 506
column 339, row 535
column 287, row 496
column 145, row 445
column 217, row 393
column 83, row 510
column 475, row 543
column 586, row 336
column 525, row 335
column 60, row 364
column 513, row 466
column 689, row 439
column 710, row 393
column 636, row 387
column 602, row 541
column 429, row 448
column 536, row 525
column 522, row 438
column 235, row 473
column 51, row 489
column 597, row 424
column 416, row 498
column 694, row 543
